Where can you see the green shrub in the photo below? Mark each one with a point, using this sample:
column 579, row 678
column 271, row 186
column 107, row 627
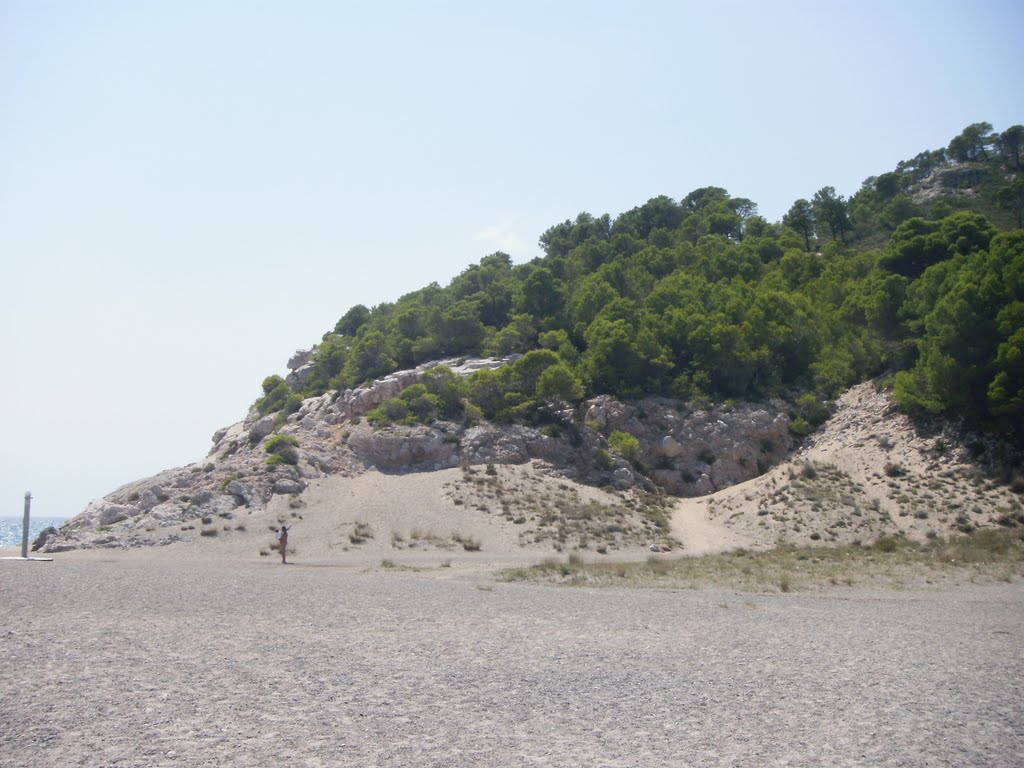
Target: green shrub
column 422, row 405
column 812, row 410
column 392, row 410
column 558, row 382
column 448, row 387
column 486, row 391
column 525, row 372
column 278, row 442
column 799, row 426
column 553, row 430
column 604, row 460
column 472, row 414
column 412, row 392
column 275, row 395
column 624, row 444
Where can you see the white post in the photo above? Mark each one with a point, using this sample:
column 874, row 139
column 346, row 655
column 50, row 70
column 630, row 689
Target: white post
column 24, row 527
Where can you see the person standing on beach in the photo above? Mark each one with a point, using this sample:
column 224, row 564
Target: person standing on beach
column 282, row 542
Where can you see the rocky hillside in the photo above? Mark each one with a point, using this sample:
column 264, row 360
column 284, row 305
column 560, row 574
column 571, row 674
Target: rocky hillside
column 684, row 450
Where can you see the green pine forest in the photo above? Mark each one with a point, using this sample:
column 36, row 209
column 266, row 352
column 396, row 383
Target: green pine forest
column 917, row 279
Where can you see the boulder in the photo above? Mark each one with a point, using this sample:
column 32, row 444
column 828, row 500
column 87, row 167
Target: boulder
column 115, row 513
column 286, row 485
column 65, row 546
column 199, row 498
column 312, row 410
column 168, row 512
column 481, row 445
column 150, row 497
column 239, row 490
column 227, row 440
column 301, row 358
column 262, row 428
column 398, row 448
column 221, row 505
column 669, row 447
column 299, row 376
column 623, row 477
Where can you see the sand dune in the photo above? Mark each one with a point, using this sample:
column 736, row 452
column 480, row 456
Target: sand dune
column 867, row 473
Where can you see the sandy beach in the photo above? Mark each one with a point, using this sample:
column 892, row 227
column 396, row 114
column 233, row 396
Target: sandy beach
column 149, row 659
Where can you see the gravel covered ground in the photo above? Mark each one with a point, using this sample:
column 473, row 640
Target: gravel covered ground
column 131, row 660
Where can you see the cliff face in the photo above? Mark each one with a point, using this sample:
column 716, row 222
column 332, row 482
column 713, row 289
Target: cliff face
column 684, row 450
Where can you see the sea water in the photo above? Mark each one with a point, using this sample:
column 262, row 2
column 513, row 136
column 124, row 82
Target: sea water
column 11, row 528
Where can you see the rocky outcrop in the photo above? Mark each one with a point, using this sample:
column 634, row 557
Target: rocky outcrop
column 695, row 451
column 43, row 537
column 684, row 450
column 960, row 179
column 300, row 367
column 406, row 448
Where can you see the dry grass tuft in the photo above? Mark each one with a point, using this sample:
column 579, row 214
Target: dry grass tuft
column 469, row 543
column 361, row 533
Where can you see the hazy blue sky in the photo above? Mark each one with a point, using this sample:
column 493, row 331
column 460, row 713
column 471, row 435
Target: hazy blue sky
column 190, row 191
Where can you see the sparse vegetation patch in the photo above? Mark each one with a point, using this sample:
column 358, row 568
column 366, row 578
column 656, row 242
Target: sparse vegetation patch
column 892, row 561
column 557, row 514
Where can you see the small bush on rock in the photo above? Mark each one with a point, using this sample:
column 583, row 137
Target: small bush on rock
column 282, row 450
column 277, row 396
